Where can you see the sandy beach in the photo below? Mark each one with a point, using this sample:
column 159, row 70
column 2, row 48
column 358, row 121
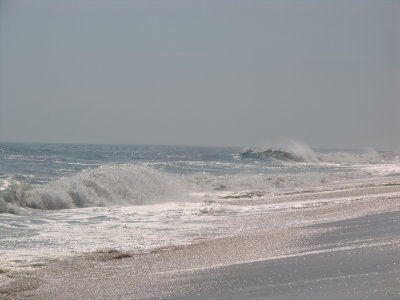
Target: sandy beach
column 355, row 256
column 241, row 149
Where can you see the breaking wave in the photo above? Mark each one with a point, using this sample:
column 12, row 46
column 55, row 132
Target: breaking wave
column 103, row 186
column 269, row 153
column 298, row 152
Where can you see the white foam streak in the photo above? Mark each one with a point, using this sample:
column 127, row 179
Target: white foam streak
column 369, row 157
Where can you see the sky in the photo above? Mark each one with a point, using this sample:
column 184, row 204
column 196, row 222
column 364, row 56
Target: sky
column 201, row 72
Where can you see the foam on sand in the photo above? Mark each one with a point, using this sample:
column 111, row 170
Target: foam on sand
column 329, row 233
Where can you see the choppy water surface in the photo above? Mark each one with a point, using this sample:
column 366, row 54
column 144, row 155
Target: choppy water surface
column 58, row 199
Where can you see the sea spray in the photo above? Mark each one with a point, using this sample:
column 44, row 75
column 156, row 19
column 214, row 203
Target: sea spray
column 12, row 194
column 104, row 186
column 299, row 152
column 370, row 156
column 194, row 192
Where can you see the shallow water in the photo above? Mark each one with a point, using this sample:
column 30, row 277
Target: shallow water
column 59, row 199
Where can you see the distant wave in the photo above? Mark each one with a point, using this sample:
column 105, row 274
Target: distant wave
column 299, row 152
column 287, row 150
column 269, row 153
column 103, row 186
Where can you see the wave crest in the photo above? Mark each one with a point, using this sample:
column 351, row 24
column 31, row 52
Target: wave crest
column 104, row 186
column 299, row 152
column 286, row 151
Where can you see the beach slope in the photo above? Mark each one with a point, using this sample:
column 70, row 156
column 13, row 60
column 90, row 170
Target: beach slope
column 356, row 257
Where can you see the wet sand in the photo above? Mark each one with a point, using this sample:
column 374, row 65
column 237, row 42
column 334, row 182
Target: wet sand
column 361, row 271
column 356, row 256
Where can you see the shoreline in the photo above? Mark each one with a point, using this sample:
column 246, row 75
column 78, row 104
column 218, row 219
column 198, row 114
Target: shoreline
column 188, row 270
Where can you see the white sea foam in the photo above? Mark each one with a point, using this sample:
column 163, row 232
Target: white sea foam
column 138, row 185
column 300, row 152
column 266, row 183
column 104, row 186
column 171, row 196
column 370, row 156
column 137, row 228
column 4, row 184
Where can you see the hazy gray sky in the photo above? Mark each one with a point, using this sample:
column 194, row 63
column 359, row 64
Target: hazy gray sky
column 205, row 72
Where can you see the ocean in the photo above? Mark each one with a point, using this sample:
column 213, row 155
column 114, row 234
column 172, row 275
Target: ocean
column 58, row 200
